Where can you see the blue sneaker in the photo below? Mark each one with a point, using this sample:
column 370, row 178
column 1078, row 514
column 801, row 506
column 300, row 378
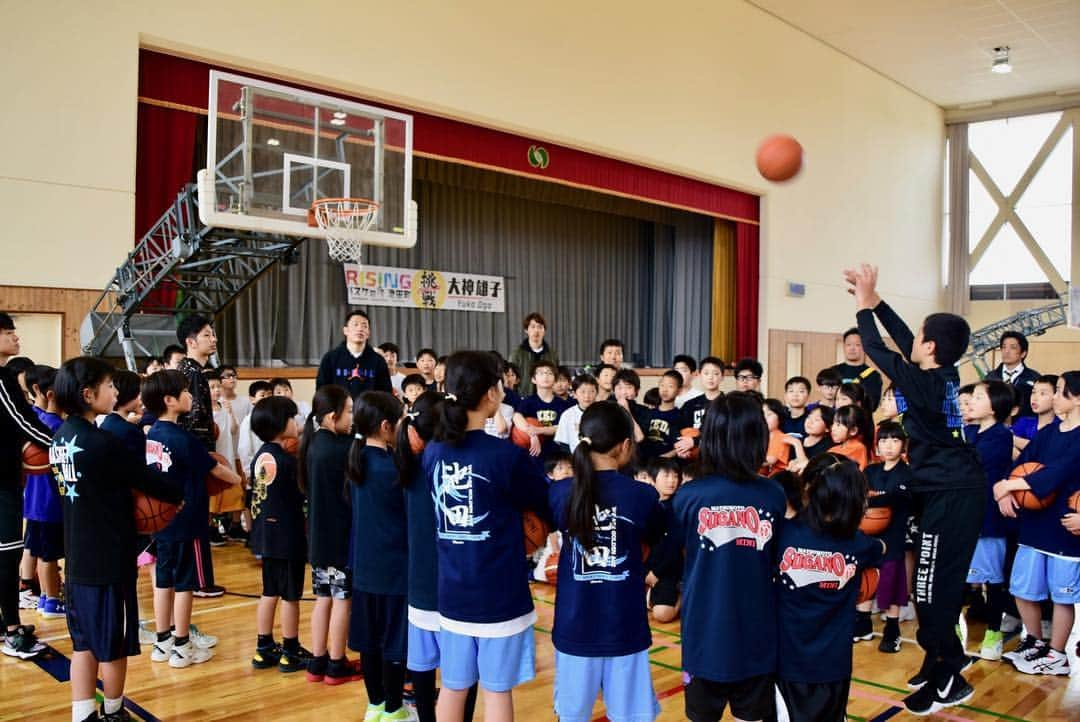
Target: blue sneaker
column 41, row 603
column 54, row 608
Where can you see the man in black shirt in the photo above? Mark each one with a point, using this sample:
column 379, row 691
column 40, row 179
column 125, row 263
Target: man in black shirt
column 18, row 425
column 948, row 487
column 1013, row 371
column 355, row 364
column 855, row 370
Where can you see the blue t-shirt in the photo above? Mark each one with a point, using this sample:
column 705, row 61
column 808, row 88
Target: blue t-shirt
column 380, row 541
column 600, row 606
column 184, row 460
column 729, row 604
column 547, row 413
column 423, row 559
column 1059, row 452
column 818, row 582
column 480, row 487
column 662, row 431
column 995, row 446
column 41, row 500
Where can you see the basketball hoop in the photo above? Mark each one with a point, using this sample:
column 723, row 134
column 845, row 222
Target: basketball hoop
column 344, row 220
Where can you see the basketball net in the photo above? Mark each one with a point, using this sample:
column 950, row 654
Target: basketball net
column 344, row 220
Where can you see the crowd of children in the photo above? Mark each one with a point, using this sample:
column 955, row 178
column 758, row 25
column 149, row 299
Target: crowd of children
column 738, row 513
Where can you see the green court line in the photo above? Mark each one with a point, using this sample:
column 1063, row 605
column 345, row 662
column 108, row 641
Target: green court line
column 856, row 719
column 654, row 650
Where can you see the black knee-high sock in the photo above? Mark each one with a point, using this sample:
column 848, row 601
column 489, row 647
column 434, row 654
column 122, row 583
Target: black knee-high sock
column 995, row 606
column 393, row 680
column 424, row 691
column 470, row 703
column 372, row 663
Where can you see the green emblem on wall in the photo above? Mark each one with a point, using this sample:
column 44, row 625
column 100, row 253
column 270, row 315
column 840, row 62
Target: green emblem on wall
column 538, row 157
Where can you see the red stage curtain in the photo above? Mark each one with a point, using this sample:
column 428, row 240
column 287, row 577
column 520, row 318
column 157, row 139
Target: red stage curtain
column 747, row 278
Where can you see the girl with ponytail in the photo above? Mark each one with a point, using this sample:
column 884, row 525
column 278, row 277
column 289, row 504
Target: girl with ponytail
column 728, row 517
column 378, row 629
column 324, row 452
column 480, row 486
column 601, row 633
column 416, row 430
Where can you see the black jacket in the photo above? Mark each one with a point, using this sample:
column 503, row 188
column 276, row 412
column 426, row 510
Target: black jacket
column 940, row 457
column 1022, row 385
column 366, row 372
column 18, row 425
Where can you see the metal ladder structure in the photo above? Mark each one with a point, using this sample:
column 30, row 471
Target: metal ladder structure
column 1031, row 322
column 206, row 268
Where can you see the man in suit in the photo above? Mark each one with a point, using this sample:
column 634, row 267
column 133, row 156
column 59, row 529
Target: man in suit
column 1011, row 370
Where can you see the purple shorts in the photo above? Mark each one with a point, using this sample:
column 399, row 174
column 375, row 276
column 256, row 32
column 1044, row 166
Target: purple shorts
column 892, row 585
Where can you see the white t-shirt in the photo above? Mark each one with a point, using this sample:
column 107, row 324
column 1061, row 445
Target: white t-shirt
column 224, row 444
column 569, row 426
column 247, row 444
column 507, row 412
column 395, row 382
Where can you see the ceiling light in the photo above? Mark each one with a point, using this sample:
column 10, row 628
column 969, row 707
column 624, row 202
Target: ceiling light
column 273, row 141
column 1001, row 60
column 337, row 121
column 339, row 114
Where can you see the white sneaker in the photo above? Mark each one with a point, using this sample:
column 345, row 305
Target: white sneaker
column 1051, row 663
column 1009, row 624
column 28, row 600
column 162, row 650
column 907, row 613
column 206, row 641
column 147, row 635
column 188, row 654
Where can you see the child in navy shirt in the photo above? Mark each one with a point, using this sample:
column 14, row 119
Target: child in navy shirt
column 601, row 633
column 324, row 452
column 1042, row 412
column 822, row 554
column 545, row 407
column 727, row 519
column 95, row 474
column 664, row 562
column 888, row 483
column 665, row 421
column 990, row 407
column 1048, row 560
column 183, row 547
column 379, row 627
column 416, row 430
column 796, row 394
column 480, row 486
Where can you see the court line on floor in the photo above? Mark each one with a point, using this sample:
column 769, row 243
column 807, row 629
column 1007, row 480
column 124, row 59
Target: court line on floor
column 219, row 608
column 906, row 692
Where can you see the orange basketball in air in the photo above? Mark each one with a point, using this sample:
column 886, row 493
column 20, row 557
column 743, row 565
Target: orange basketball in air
column 536, row 531
column 868, row 584
column 779, row 157
column 519, row 437
column 214, row 483
column 152, row 515
column 1026, row 497
column 875, row 520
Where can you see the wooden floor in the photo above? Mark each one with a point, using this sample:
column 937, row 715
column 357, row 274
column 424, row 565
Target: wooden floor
column 227, row 688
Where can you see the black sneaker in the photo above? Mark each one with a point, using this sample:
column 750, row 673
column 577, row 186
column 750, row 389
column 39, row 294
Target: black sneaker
column 213, row 590
column 236, row 533
column 316, row 669
column 121, row 716
column 922, row 676
column 864, row 628
column 22, row 643
column 266, row 657
column 294, row 661
column 923, row 701
column 92, row 717
column 217, row 539
column 956, row 691
column 340, row 671
column 1027, row 644
column 890, row 641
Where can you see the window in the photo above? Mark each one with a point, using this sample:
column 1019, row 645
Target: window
column 1020, row 205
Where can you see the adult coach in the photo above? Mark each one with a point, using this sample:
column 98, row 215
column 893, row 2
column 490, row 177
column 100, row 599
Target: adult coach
column 1011, row 370
column 355, row 365
column 18, row 425
column 949, row 487
column 531, row 350
column 855, row 370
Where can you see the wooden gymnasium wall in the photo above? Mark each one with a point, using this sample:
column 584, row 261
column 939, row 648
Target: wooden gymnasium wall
column 799, row 353
column 71, row 303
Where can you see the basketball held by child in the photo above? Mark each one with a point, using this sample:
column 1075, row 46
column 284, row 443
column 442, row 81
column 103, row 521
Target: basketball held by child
column 519, row 437
column 875, row 520
column 536, row 532
column 779, row 158
column 214, row 483
column 691, row 433
column 35, row 459
column 1026, row 498
column 152, row 515
column 868, row 583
